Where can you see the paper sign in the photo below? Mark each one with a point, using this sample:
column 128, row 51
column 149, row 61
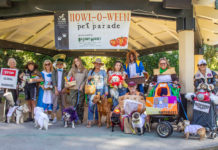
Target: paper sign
column 201, row 106
column 8, row 78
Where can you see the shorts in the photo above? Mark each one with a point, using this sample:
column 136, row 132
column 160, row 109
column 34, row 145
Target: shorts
column 30, row 93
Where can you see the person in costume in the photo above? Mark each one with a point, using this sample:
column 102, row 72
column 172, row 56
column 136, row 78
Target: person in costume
column 134, row 67
column 117, row 71
column 58, row 81
column 31, row 77
column 166, row 74
column 45, row 98
column 97, row 77
column 132, row 87
column 204, row 75
column 80, row 73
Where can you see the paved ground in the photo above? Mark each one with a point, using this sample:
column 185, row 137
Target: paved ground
column 26, row 137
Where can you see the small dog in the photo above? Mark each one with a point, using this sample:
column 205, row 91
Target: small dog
column 191, row 129
column 115, row 118
column 41, row 118
column 138, row 122
column 18, row 112
column 104, row 108
column 70, row 116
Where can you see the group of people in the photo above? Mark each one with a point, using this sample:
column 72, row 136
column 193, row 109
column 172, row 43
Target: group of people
column 52, row 83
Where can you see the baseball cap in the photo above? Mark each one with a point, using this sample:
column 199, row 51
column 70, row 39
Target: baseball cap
column 202, row 62
column 131, row 83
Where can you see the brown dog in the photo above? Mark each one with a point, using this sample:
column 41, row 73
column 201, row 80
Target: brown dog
column 104, row 108
column 191, row 129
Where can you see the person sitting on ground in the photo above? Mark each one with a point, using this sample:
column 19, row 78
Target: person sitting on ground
column 132, row 86
column 204, row 75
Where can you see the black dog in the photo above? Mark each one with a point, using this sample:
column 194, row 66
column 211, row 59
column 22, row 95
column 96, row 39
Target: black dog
column 115, row 119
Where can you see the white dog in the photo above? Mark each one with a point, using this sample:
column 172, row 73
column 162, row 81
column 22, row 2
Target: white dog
column 41, row 118
column 18, row 111
column 213, row 97
column 138, row 122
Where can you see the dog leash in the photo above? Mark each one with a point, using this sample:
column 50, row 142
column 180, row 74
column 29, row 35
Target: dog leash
column 77, row 102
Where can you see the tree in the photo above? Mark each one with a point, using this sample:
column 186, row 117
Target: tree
column 211, row 56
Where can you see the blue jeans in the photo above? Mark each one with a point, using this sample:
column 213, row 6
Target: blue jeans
column 122, row 91
column 93, row 107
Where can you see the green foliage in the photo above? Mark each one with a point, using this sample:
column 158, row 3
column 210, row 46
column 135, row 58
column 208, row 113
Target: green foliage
column 150, row 62
column 211, row 56
column 22, row 57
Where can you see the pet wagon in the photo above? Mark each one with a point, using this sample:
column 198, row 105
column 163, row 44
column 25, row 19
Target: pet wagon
column 163, row 107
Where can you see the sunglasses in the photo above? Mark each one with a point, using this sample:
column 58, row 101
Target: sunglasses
column 202, row 65
column 47, row 64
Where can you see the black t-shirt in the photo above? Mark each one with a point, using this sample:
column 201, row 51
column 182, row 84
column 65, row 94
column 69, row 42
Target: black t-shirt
column 31, row 74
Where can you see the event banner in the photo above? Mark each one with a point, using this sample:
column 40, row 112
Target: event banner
column 92, row 29
column 8, row 78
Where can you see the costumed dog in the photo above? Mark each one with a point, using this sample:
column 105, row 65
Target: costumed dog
column 18, row 112
column 138, row 122
column 104, row 108
column 191, row 129
column 70, row 116
column 115, row 82
column 41, row 118
column 115, row 118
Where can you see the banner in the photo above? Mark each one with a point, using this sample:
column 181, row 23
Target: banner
column 8, row 78
column 201, row 106
column 92, row 29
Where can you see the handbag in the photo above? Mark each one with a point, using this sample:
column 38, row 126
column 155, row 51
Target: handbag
column 90, row 89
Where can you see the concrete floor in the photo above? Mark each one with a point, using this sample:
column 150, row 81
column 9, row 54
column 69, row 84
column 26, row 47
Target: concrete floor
column 26, row 137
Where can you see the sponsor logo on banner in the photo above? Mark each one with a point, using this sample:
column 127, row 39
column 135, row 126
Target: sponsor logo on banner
column 8, row 78
column 201, row 106
column 92, row 29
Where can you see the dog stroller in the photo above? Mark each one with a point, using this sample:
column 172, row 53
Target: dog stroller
column 164, row 108
column 204, row 114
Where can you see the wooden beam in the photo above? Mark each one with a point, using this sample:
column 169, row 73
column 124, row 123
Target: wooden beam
column 206, row 12
column 145, row 34
column 135, row 43
column 48, row 44
column 4, row 36
column 163, row 48
column 38, row 35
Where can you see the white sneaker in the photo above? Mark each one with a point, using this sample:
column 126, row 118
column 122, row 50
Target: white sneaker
column 54, row 120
